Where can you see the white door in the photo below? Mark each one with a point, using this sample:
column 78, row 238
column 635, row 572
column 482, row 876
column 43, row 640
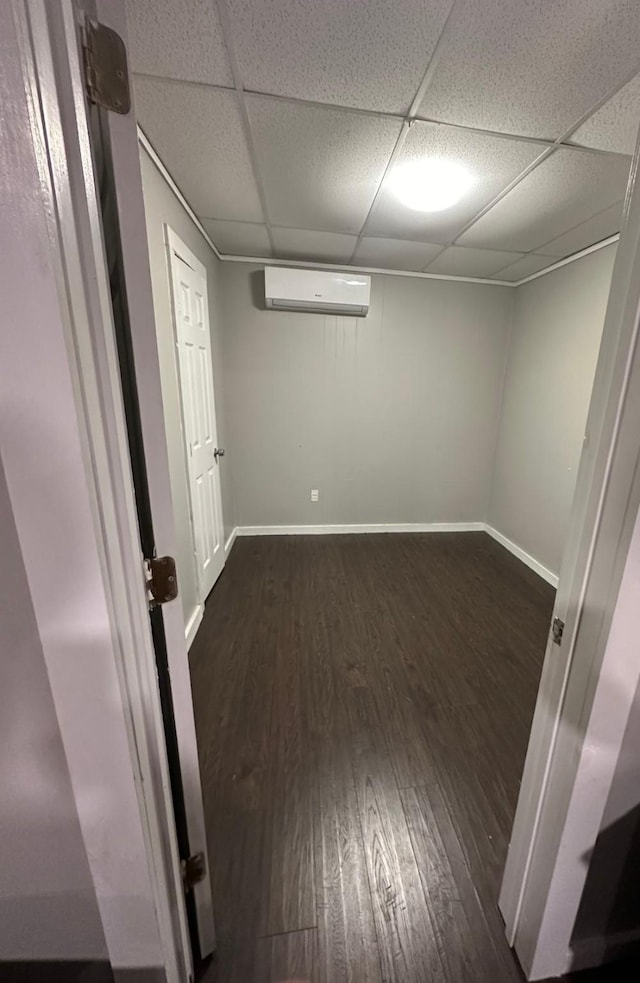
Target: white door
column 193, row 341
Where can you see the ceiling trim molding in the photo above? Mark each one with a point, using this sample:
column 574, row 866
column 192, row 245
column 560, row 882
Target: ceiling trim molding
column 261, row 260
column 148, row 147
column 569, row 259
column 267, row 261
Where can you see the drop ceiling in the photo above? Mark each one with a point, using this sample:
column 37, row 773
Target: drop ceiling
column 281, row 121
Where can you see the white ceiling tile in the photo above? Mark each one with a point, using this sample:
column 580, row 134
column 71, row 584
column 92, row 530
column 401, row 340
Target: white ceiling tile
column 566, row 189
column 524, row 267
column 178, row 41
column 595, row 229
column 394, row 254
column 320, row 168
column 532, row 68
column 198, row 133
column 493, row 163
column 366, row 53
column 238, row 238
column 318, row 247
column 459, row 261
column 615, row 126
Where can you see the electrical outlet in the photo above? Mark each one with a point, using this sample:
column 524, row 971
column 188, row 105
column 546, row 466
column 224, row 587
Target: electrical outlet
column 314, row 495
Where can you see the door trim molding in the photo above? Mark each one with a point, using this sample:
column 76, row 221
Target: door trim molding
column 176, row 245
column 543, row 880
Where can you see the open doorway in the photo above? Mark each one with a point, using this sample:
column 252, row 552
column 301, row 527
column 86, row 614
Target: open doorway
column 339, row 762
column 363, row 703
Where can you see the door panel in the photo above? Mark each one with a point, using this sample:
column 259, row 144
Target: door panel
column 193, row 342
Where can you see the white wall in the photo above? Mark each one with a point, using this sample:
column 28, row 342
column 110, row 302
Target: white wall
column 555, row 338
column 48, row 907
column 162, row 205
column 393, row 417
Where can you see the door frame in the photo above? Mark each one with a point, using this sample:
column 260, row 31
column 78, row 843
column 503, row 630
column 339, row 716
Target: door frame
column 538, row 908
column 125, row 160
column 58, row 130
column 608, row 475
column 175, row 247
column 60, row 134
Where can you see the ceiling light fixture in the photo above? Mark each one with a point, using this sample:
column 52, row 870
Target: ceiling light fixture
column 430, row 185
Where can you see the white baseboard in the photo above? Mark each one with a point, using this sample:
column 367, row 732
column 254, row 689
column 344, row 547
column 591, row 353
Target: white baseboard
column 530, row 561
column 390, row 527
column 228, row 546
column 332, row 530
column 193, row 624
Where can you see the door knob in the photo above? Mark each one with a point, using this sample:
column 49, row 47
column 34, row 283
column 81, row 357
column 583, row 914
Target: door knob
column 218, row 452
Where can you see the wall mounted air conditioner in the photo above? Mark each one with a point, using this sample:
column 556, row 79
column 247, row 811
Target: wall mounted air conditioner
column 317, row 291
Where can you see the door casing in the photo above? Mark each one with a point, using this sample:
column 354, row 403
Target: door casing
column 606, row 502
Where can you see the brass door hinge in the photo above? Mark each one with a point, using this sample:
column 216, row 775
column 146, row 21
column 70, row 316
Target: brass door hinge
column 557, row 630
column 194, row 869
column 162, row 582
column 105, row 66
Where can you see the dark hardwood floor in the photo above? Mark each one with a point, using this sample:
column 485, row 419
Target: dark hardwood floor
column 363, row 705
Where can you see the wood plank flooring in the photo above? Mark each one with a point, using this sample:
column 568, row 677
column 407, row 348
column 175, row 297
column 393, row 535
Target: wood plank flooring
column 363, row 705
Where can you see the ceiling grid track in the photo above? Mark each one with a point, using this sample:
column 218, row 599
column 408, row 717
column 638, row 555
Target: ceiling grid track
column 395, row 153
column 505, row 191
column 410, row 117
column 560, row 142
column 401, row 117
column 230, row 80
column 244, row 112
column 231, row 258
